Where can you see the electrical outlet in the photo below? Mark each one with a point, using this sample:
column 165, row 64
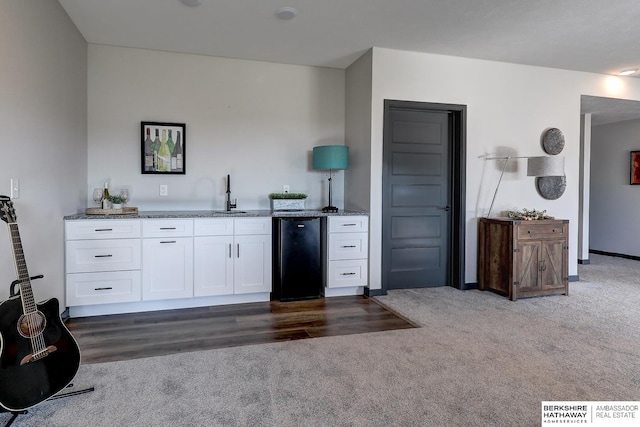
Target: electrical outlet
column 164, row 190
column 15, row 188
column 285, row 188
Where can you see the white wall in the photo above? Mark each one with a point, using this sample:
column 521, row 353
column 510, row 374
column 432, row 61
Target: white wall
column 257, row 121
column 358, row 133
column 614, row 225
column 509, row 106
column 43, row 80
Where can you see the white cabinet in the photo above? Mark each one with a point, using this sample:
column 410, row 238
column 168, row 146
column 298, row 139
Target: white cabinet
column 232, row 256
column 252, row 266
column 102, row 261
column 167, row 259
column 347, row 251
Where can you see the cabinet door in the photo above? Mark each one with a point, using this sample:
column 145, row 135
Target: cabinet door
column 167, row 268
column 527, row 266
column 213, row 266
column 553, row 265
column 252, row 265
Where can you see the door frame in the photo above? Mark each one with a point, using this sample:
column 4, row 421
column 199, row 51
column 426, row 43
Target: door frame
column 457, row 178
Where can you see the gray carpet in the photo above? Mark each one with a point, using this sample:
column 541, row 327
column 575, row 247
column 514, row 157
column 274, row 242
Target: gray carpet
column 478, row 360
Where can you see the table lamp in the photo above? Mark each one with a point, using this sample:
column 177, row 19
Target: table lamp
column 330, row 157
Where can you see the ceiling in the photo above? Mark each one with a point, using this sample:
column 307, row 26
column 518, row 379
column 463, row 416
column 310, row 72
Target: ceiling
column 583, row 35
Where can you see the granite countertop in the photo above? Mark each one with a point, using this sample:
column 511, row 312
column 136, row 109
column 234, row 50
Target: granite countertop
column 218, row 214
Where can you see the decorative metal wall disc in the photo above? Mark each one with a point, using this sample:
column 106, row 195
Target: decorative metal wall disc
column 553, row 141
column 551, row 187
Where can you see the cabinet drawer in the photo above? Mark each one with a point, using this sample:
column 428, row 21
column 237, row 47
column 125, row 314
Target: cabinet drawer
column 86, row 256
column 213, row 227
column 348, row 224
column 347, row 273
column 167, row 228
column 541, row 231
column 248, row 226
column 102, row 229
column 103, row 288
column 348, row 246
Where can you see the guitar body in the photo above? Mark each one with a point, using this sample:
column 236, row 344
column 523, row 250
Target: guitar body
column 25, row 383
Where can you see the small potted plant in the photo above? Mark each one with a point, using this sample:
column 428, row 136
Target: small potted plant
column 287, row 201
column 117, row 201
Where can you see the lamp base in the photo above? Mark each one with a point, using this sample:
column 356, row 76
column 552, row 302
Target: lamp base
column 329, row 209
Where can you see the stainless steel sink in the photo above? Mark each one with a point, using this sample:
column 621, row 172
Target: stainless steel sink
column 230, row 212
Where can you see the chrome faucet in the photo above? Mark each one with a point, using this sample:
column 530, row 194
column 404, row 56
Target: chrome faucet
column 235, row 201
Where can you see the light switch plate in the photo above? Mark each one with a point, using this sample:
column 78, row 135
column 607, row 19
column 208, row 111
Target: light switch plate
column 285, row 188
column 15, row 188
column 164, row 190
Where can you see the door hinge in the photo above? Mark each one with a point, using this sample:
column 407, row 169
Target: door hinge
column 516, row 283
column 516, row 250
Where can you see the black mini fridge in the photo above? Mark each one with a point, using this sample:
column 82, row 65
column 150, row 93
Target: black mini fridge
column 297, row 259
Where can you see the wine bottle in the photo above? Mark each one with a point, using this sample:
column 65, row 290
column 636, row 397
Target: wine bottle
column 178, row 153
column 170, row 142
column 155, row 148
column 164, row 156
column 105, row 196
column 171, row 150
column 148, row 152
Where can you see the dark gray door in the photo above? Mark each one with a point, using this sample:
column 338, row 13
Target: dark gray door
column 416, row 198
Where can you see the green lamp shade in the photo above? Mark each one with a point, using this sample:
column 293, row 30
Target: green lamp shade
column 331, row 157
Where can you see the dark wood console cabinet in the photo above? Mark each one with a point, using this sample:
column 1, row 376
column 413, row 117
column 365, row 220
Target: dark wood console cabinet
column 523, row 258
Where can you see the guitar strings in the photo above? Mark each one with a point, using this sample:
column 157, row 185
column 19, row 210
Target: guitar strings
column 31, row 314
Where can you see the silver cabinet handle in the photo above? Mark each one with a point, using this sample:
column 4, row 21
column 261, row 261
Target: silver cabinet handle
column 103, row 229
column 347, row 274
column 168, row 241
column 103, row 289
column 349, row 246
column 103, row 256
column 349, row 225
column 238, row 249
column 167, row 228
column 229, row 250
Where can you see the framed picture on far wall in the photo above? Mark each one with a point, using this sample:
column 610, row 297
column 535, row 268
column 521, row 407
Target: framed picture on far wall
column 163, row 147
column 635, row 168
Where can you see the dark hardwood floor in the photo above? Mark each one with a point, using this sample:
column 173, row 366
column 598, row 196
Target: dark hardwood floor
column 136, row 335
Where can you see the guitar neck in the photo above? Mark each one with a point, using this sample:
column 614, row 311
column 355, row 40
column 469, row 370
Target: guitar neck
column 28, row 302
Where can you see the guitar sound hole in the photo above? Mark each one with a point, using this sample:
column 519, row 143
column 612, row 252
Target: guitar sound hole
column 32, row 324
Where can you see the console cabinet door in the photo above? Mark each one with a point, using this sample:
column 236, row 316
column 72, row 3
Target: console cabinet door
column 252, row 264
column 527, row 266
column 213, row 266
column 167, row 268
column 553, row 266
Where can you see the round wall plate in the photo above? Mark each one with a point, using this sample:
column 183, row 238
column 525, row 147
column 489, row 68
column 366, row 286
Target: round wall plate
column 551, row 187
column 553, row 141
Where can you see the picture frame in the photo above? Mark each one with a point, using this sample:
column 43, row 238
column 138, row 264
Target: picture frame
column 634, row 178
column 163, row 148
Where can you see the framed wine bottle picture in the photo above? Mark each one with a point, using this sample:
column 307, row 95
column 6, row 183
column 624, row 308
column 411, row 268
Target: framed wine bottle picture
column 162, row 148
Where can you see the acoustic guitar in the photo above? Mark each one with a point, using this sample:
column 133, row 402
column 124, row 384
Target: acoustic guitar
column 38, row 355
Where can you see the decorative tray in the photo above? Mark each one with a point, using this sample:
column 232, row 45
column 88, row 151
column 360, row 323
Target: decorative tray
column 121, row 211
